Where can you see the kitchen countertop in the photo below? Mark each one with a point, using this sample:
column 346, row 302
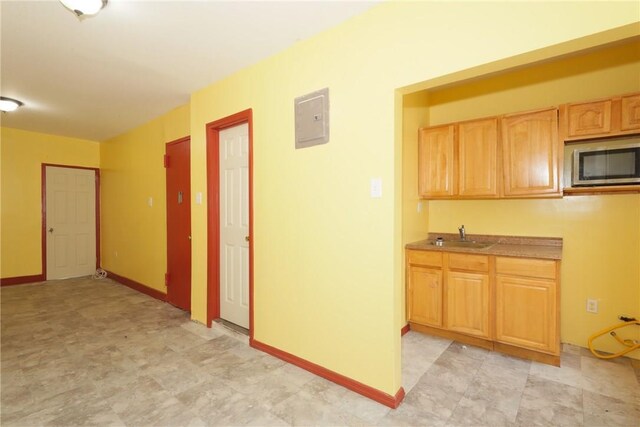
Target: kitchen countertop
column 525, row 247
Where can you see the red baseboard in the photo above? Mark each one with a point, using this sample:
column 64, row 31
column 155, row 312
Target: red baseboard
column 363, row 389
column 20, row 280
column 137, row 286
column 405, row 329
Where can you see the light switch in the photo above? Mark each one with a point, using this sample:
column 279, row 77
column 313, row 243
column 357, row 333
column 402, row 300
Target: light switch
column 198, row 198
column 376, row 188
column 150, row 201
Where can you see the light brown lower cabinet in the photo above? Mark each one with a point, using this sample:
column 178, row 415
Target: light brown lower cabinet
column 426, row 295
column 527, row 303
column 507, row 304
column 424, row 298
column 468, row 303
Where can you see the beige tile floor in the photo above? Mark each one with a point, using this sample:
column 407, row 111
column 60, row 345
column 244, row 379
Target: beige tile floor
column 83, row 352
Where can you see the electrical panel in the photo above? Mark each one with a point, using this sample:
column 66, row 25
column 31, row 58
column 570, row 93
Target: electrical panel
column 312, row 118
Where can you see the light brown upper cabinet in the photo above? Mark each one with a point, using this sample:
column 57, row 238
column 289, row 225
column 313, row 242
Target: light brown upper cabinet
column 478, row 151
column 530, row 154
column 589, row 118
column 436, row 157
column 459, row 160
column 619, row 115
column 630, row 120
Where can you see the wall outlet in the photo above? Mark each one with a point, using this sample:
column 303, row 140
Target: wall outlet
column 592, row 305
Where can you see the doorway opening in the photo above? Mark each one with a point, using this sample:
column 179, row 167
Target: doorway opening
column 230, row 220
column 70, row 221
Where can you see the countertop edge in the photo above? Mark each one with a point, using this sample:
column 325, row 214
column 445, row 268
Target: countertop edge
column 508, row 240
column 498, row 248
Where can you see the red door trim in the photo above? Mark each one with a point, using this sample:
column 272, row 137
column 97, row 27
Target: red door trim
column 44, row 212
column 213, row 213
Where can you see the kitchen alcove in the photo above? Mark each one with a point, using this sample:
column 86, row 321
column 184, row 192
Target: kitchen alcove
column 577, row 71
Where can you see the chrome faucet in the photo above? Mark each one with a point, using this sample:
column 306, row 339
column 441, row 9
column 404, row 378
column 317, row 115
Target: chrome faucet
column 463, row 233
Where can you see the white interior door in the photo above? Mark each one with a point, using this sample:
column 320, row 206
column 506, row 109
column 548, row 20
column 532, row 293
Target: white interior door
column 70, row 222
column 234, row 225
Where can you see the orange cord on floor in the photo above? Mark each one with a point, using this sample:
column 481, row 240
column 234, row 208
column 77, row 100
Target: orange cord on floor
column 630, row 345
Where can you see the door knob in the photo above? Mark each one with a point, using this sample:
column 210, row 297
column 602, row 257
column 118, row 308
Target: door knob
column 51, row 230
column 189, row 237
column 246, row 238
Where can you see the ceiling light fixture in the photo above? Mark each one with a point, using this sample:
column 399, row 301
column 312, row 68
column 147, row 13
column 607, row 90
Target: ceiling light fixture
column 84, row 7
column 9, row 104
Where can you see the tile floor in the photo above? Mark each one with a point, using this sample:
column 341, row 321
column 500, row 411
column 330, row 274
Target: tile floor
column 84, row 352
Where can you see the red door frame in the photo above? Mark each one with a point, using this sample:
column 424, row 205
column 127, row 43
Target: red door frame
column 44, row 213
column 186, row 139
column 213, row 213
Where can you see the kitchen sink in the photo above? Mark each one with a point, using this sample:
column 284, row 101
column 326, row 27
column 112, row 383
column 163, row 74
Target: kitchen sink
column 461, row 244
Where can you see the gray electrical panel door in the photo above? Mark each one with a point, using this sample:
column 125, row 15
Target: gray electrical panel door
column 312, row 118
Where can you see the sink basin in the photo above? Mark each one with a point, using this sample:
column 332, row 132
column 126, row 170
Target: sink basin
column 462, row 244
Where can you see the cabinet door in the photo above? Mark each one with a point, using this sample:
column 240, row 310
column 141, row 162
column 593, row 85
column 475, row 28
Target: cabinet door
column 530, row 144
column 468, row 303
column 590, row 118
column 425, row 296
column 630, row 112
column 436, row 162
column 526, row 313
column 478, row 151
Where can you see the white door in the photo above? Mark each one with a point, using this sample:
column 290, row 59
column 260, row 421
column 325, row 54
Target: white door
column 234, row 225
column 70, row 222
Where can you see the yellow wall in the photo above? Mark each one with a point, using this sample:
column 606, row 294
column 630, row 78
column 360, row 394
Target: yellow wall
column 608, row 71
column 134, row 237
column 601, row 256
column 328, row 258
column 415, row 114
column 22, row 154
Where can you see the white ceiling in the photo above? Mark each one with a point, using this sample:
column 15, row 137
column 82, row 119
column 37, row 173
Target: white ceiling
column 101, row 76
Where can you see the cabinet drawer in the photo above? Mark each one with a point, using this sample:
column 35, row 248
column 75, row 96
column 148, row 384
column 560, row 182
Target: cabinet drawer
column 469, row 262
column 433, row 259
column 544, row 269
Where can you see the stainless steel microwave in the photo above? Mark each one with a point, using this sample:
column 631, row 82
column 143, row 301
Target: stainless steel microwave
column 606, row 163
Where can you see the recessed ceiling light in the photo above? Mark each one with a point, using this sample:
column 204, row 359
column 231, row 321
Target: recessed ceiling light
column 9, row 104
column 84, row 7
